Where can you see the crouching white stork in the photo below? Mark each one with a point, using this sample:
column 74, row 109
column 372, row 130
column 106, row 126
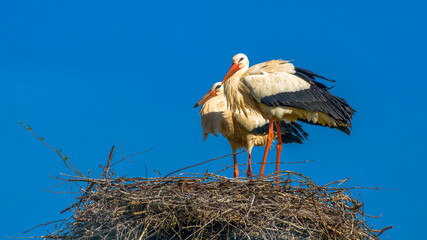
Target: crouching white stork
column 241, row 131
column 279, row 91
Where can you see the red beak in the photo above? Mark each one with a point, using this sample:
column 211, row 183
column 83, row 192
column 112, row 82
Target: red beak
column 205, row 98
column 234, row 68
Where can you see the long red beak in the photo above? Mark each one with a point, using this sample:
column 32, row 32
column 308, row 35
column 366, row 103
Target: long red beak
column 205, row 98
column 234, row 68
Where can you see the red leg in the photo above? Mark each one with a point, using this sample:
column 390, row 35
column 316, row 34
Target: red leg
column 249, row 173
column 279, row 149
column 236, row 169
column 267, row 147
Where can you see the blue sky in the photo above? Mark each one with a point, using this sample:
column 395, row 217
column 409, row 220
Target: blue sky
column 89, row 75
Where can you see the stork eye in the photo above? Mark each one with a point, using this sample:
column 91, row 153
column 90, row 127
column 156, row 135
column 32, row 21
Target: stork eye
column 217, row 87
column 241, row 59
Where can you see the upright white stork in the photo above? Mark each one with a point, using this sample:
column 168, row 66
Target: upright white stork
column 279, row 91
column 241, row 131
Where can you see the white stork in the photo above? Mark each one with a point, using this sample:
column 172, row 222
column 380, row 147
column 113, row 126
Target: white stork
column 241, row 131
column 279, row 91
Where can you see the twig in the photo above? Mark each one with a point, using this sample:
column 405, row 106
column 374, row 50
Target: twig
column 109, row 161
column 384, row 229
column 44, row 224
column 131, row 155
column 64, row 158
column 320, row 216
column 195, row 165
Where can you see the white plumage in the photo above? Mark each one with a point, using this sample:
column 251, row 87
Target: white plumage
column 240, row 129
column 268, row 84
column 280, row 91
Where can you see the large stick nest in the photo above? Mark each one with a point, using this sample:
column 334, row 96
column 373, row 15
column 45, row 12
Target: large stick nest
column 209, row 206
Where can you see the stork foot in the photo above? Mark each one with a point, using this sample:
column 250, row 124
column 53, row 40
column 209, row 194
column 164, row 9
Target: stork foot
column 279, row 151
column 249, row 172
column 267, row 147
column 236, row 173
column 236, row 169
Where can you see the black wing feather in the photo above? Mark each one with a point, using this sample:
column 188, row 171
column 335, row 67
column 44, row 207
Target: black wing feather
column 311, row 80
column 313, row 99
column 291, row 133
column 316, row 99
column 311, row 74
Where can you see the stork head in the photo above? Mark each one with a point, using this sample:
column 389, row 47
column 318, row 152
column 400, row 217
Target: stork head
column 240, row 63
column 216, row 89
column 241, row 60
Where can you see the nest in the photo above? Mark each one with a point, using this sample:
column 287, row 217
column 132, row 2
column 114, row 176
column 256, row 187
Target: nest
column 209, row 206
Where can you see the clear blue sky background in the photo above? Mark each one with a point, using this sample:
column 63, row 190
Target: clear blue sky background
column 88, row 75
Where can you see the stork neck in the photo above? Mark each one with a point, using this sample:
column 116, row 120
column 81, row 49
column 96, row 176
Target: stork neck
column 232, row 83
column 240, row 72
column 232, row 92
